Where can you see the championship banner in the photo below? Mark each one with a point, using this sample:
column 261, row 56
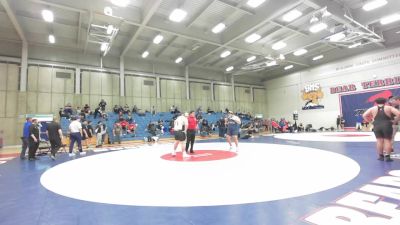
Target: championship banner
column 353, row 105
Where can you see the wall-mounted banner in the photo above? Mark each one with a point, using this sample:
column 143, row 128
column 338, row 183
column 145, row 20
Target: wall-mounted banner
column 354, row 105
column 312, row 93
column 390, row 81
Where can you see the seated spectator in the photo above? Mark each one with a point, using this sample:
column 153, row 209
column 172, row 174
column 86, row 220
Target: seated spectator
column 129, row 118
column 300, row 128
column 209, row 111
column 124, row 125
column 135, row 109
column 116, row 109
column 117, row 132
column 86, row 109
column 97, row 112
column 102, row 105
column 153, row 110
column 126, row 109
column 132, row 129
column 68, row 110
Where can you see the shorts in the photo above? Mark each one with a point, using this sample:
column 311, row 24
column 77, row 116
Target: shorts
column 383, row 130
column 180, row 135
column 232, row 130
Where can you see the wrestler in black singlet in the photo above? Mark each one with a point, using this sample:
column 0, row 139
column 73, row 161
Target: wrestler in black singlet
column 382, row 124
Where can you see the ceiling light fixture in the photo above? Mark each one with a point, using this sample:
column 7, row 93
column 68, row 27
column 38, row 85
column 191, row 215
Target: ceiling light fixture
column 229, row 68
column 390, row 19
column 145, row 54
column 279, row 45
column 272, row 63
column 318, row 27
column 355, row 45
column 103, row 47
column 281, row 56
column 300, row 52
column 120, row 3
column 252, row 38
column 314, row 19
column 398, row 32
column 318, row 57
column 157, row 40
column 337, row 37
column 177, row 15
column 108, row 11
column 374, row 5
column 251, row 58
column 52, row 39
column 47, row 15
column 289, row 67
column 326, row 13
column 178, row 60
column 255, row 3
column 218, row 28
column 225, row 54
column 292, row 15
column 110, row 29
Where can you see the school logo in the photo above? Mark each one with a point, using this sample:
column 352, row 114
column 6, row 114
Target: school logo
column 312, row 94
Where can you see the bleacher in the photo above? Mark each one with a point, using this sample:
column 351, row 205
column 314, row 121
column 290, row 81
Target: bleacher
column 141, row 121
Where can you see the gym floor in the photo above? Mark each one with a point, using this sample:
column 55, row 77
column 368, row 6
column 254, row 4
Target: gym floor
column 288, row 179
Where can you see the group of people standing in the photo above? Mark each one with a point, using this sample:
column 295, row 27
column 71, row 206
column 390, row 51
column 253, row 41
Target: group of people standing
column 185, row 127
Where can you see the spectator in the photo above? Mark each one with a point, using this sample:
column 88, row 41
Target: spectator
column 102, row 105
column 25, row 137
column 117, row 131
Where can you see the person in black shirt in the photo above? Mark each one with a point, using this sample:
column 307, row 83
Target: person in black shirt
column 102, row 105
column 33, row 139
column 54, row 133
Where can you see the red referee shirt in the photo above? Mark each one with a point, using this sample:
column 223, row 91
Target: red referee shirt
column 192, row 123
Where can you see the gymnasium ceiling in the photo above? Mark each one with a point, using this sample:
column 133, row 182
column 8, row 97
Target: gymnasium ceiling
column 136, row 25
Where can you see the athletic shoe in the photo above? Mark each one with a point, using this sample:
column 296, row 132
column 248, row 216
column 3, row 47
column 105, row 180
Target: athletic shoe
column 381, row 158
column 71, row 154
column 388, row 159
column 82, row 153
column 191, row 152
column 52, row 157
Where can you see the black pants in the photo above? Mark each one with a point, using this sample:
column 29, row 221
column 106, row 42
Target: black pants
column 33, row 147
column 55, row 145
column 25, row 143
column 191, row 134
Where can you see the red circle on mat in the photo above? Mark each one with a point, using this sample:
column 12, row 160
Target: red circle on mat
column 200, row 156
column 347, row 135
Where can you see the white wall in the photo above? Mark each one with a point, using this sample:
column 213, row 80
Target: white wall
column 284, row 93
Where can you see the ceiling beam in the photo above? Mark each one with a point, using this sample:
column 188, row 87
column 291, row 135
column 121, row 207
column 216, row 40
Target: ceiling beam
column 163, row 48
column 14, row 20
column 238, row 7
column 253, row 24
column 199, row 13
column 78, row 36
column 154, row 4
column 60, row 6
column 87, row 31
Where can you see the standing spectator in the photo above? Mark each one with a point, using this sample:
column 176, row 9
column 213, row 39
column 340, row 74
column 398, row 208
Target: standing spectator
column 233, row 123
column 180, row 126
column 221, row 127
column 191, row 131
column 97, row 112
column 135, row 109
column 102, row 105
column 85, row 133
column 99, row 133
column 359, row 121
column 117, row 131
column 153, row 110
column 381, row 116
column 25, row 137
column 54, row 133
column 75, row 135
column 90, row 131
column 338, row 122
column 34, row 138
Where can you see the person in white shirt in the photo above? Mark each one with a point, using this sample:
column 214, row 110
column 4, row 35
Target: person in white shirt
column 75, row 135
column 233, row 125
column 180, row 127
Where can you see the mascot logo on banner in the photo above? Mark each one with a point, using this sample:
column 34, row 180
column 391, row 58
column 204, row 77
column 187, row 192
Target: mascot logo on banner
column 312, row 93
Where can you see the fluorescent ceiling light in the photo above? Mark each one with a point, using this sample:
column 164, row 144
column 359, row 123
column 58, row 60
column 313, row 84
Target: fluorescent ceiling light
column 145, row 54
column 355, row 45
column 398, row 32
column 178, row 60
column 157, row 40
column 300, row 52
column 374, row 4
column 52, row 39
column 279, row 45
column 337, row 37
column 318, row 57
column 252, row 38
column 251, row 58
column 110, row 29
column 108, row 11
column 218, row 28
column 318, row 27
column 225, row 54
column 120, row 3
column 229, row 69
column 272, row 63
column 289, row 67
column 47, row 15
column 281, row 56
column 314, row 19
column 255, row 3
column 292, row 15
column 326, row 13
column 390, row 19
column 177, row 15
column 103, row 46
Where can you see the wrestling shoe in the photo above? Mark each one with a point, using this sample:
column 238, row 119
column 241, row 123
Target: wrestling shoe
column 388, row 159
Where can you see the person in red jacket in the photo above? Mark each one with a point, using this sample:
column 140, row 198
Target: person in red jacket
column 191, row 131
